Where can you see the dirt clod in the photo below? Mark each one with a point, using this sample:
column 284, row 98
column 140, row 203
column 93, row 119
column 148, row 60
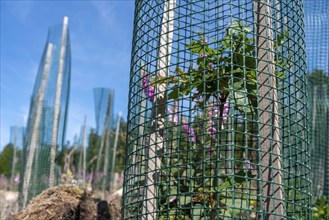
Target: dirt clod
column 68, row 202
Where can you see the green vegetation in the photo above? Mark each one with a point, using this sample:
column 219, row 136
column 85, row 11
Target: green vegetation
column 320, row 209
column 6, row 160
column 229, row 70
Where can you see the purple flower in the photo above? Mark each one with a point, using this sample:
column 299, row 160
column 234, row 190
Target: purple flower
column 3, row 181
column 212, row 132
column 89, row 177
column 248, row 165
column 215, row 111
column 16, row 179
column 173, row 113
column 210, row 150
column 193, row 136
column 199, row 99
column 225, row 112
column 150, row 93
column 144, row 81
column 189, row 131
column 99, row 174
column 72, row 168
column 186, row 128
column 148, row 90
column 172, row 199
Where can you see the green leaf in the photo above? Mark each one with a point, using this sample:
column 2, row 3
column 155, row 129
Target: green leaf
column 241, row 101
column 174, row 93
column 237, row 27
column 249, row 48
column 197, row 211
column 280, row 39
column 250, row 62
column 179, row 71
column 185, row 200
column 240, row 177
column 209, row 51
column 280, row 75
column 226, row 42
column 238, row 204
column 195, row 46
column 251, row 88
column 173, row 190
column 238, row 70
column 238, row 85
column 185, row 89
column 225, row 185
column 251, row 76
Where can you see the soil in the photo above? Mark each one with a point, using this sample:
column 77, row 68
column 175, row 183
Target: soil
column 68, row 202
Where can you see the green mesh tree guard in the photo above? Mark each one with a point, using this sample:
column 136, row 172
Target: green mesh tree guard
column 16, row 139
column 46, row 126
column 104, row 104
column 317, row 50
column 217, row 124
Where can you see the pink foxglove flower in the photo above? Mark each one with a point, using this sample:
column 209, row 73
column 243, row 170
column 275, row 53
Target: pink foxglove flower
column 3, row 180
column 173, row 113
column 148, row 90
column 212, row 132
column 16, row 179
column 189, row 131
column 225, row 112
column 248, row 165
column 172, row 199
column 186, row 127
column 89, row 177
column 150, row 93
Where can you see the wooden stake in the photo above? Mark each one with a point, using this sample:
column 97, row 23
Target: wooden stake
column 271, row 166
column 115, row 152
column 54, row 139
column 158, row 112
column 35, row 125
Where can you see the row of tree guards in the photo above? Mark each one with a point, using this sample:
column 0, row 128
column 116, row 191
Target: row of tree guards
column 44, row 155
column 90, row 161
column 106, row 146
column 101, row 176
column 217, row 124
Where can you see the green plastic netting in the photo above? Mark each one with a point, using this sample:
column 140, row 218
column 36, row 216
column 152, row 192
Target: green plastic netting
column 218, row 118
column 103, row 98
column 46, row 126
column 317, row 50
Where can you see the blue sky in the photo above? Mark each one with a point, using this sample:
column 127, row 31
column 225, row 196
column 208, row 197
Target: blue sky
column 101, row 36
